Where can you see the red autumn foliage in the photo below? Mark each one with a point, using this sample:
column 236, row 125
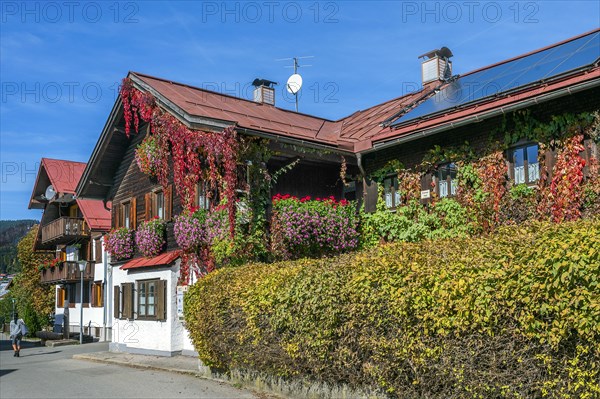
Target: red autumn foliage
column 190, row 150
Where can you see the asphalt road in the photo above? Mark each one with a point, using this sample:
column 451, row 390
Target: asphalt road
column 43, row 372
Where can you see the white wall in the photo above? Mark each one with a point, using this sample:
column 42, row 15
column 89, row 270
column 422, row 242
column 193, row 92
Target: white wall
column 95, row 315
column 163, row 338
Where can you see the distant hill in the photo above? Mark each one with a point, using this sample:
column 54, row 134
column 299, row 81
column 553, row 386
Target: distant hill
column 11, row 232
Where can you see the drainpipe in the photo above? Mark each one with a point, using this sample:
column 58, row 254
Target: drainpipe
column 360, row 165
column 106, row 289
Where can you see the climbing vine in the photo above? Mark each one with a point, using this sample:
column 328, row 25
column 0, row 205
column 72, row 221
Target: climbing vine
column 195, row 154
column 562, row 192
column 565, row 188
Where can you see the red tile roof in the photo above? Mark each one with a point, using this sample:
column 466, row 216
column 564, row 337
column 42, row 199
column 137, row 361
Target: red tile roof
column 247, row 114
column 268, row 118
column 95, row 214
column 160, row 260
column 63, row 175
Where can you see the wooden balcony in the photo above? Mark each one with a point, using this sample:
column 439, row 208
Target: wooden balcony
column 63, row 230
column 67, row 272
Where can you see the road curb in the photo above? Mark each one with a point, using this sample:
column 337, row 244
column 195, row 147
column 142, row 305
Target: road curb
column 139, row 365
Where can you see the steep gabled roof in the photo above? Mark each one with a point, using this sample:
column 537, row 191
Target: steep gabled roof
column 62, row 175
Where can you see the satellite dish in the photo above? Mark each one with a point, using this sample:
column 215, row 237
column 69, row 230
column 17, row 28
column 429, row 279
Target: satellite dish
column 50, row 193
column 294, row 83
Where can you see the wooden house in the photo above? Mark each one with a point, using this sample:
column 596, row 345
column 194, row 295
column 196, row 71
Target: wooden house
column 71, row 229
column 448, row 110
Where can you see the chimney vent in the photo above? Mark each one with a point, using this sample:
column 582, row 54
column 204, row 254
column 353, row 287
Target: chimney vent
column 436, row 65
column 264, row 92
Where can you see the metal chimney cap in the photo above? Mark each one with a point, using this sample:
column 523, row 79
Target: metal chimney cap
column 263, row 82
column 444, row 52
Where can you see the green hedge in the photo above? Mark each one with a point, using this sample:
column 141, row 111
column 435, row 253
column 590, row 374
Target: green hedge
column 515, row 314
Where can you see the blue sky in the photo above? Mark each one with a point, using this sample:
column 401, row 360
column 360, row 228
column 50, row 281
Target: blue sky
column 61, row 62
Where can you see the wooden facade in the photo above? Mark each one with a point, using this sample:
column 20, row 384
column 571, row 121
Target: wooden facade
column 67, row 272
column 479, row 136
column 64, row 229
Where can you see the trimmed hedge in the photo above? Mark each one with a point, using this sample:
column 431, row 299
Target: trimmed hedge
column 515, row 314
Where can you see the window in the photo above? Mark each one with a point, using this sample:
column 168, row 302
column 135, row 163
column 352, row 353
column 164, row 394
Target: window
column 127, row 215
column 446, row 180
column 147, row 299
column 97, row 294
column 159, row 204
column 202, row 199
column 525, row 166
column 390, row 192
column 150, row 299
column 71, row 294
column 159, row 208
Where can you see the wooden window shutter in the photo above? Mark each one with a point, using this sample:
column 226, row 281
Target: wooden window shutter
column 550, row 160
column 127, row 312
column 148, row 206
column 426, row 180
column 586, row 154
column 371, row 194
column 168, row 193
column 60, row 297
column 88, row 250
column 161, row 300
column 195, row 199
column 94, row 297
column 133, row 213
column 127, row 300
column 117, row 302
column 98, row 250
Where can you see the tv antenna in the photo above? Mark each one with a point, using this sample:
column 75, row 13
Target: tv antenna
column 294, row 82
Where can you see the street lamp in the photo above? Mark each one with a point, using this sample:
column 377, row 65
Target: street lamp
column 81, row 264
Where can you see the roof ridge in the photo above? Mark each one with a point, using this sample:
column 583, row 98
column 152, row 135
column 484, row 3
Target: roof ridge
column 62, row 160
column 227, row 95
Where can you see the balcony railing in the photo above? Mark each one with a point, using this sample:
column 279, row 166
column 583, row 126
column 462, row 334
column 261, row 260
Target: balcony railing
column 67, row 272
column 64, row 229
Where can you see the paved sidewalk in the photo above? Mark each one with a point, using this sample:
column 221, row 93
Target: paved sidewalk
column 177, row 364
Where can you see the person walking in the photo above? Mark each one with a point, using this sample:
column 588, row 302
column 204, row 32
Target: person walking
column 17, row 330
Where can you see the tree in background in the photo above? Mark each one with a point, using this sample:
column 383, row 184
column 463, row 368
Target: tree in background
column 35, row 302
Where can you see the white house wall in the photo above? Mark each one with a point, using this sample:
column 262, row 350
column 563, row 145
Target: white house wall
column 162, row 338
column 94, row 316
